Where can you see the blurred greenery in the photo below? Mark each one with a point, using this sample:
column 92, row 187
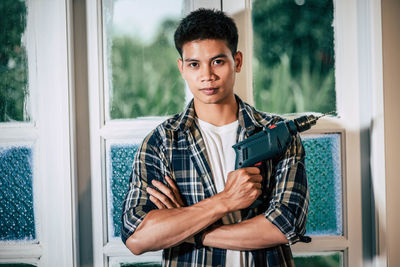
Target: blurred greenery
column 13, row 62
column 293, row 62
column 145, row 77
column 330, row 260
column 16, row 265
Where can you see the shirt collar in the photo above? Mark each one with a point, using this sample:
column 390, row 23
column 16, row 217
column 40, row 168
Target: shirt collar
column 248, row 117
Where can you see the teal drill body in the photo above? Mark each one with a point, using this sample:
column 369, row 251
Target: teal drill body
column 271, row 142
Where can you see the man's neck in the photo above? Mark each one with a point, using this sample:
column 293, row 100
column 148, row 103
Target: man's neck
column 217, row 114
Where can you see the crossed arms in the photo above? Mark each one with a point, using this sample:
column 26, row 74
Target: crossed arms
column 145, row 228
column 173, row 223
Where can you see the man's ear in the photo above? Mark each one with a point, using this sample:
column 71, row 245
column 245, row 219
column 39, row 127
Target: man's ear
column 238, row 61
column 180, row 66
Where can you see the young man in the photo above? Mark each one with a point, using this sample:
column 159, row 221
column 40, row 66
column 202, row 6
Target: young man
column 185, row 196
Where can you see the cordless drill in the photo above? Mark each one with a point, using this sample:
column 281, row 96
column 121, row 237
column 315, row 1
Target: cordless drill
column 270, row 143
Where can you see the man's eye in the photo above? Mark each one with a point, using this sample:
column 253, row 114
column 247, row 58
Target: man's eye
column 218, row 62
column 193, row 64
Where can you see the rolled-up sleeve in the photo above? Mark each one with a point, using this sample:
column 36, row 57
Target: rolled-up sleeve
column 147, row 165
column 289, row 204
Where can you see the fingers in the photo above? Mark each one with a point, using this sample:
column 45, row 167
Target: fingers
column 167, row 192
column 256, row 178
column 157, row 202
column 159, row 197
column 171, row 184
column 166, row 197
column 252, row 170
column 175, row 190
column 251, row 174
column 257, row 186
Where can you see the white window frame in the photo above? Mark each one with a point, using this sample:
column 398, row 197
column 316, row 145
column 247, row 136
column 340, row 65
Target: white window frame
column 351, row 72
column 51, row 132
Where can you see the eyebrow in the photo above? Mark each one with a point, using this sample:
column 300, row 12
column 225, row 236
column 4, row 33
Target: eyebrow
column 215, row 57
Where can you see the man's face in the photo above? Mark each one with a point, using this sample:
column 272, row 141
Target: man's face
column 209, row 69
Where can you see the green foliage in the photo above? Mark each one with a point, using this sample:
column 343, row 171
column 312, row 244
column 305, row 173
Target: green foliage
column 13, row 62
column 294, row 56
column 145, row 77
column 278, row 91
column 332, row 260
column 16, row 265
column 284, row 27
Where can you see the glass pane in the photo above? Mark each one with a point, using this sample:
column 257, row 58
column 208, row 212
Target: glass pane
column 323, row 260
column 141, row 59
column 146, row 260
column 323, row 167
column 16, row 265
column 141, row 264
column 293, row 61
column 119, row 169
column 13, row 62
column 16, row 195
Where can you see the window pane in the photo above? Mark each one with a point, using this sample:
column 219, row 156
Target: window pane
column 16, row 195
column 119, row 168
column 13, row 62
column 323, row 167
column 293, row 64
column 152, row 259
column 141, row 69
column 322, row 260
column 16, row 265
column 141, row 264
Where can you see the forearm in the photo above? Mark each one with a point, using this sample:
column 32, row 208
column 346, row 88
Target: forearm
column 254, row 233
column 168, row 227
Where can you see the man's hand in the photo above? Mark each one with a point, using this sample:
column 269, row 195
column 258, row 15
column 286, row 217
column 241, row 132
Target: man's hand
column 242, row 188
column 169, row 197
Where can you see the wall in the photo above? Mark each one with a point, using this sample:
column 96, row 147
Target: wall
column 391, row 94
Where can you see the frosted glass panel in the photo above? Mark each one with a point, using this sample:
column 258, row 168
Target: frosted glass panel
column 323, row 167
column 13, row 62
column 334, row 259
column 16, row 195
column 119, row 169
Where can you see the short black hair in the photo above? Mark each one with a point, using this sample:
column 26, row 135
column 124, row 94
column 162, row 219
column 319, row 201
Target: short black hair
column 204, row 24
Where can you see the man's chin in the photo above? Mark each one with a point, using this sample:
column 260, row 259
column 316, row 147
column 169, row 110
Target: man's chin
column 212, row 100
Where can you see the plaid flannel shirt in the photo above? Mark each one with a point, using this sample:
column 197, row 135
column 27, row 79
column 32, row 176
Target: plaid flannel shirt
column 176, row 149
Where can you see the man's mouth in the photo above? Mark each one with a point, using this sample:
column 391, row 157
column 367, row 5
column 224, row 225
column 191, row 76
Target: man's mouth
column 209, row 91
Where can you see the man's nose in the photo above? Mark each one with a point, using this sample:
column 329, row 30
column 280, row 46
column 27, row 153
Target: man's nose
column 207, row 73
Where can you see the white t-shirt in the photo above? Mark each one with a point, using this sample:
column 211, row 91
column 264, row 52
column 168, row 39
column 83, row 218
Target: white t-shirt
column 219, row 141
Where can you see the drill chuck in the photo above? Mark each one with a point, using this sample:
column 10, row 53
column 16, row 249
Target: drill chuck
column 304, row 123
